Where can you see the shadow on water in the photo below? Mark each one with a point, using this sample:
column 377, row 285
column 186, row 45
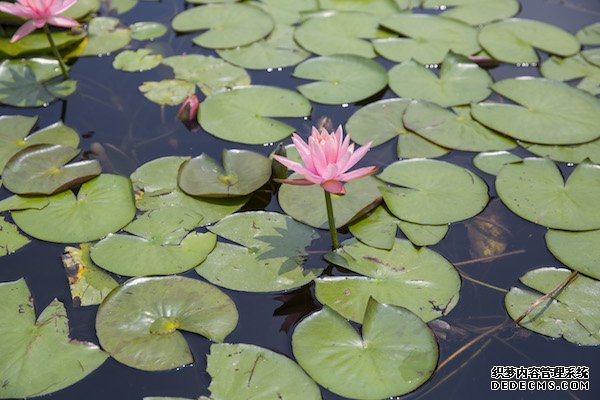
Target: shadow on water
column 124, row 130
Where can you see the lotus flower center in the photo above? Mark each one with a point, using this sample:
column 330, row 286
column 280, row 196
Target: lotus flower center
column 228, row 180
column 164, row 326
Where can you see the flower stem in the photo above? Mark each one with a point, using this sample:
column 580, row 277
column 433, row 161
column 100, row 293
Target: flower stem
column 332, row 231
column 63, row 67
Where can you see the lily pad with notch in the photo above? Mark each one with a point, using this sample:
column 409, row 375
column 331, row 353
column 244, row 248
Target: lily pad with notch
column 139, row 322
column 577, row 250
column 475, row 12
column 268, row 255
column 38, row 357
column 42, row 169
column 242, row 173
column 575, row 153
column 137, row 61
column 492, row 162
column 160, row 244
column 102, row 205
column 572, row 314
column 535, row 190
column 10, row 238
column 170, row 92
column 147, row 30
column 426, row 188
column 418, row 279
column 105, row 36
column 395, row 353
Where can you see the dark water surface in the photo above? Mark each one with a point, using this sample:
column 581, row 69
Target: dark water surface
column 108, row 108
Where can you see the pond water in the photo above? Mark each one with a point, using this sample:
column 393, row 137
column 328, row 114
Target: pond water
column 111, row 114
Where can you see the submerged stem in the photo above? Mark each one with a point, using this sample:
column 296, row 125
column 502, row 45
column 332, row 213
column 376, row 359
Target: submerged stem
column 63, row 67
column 332, row 231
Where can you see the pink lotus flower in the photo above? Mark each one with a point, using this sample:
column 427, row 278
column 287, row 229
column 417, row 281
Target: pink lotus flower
column 39, row 13
column 189, row 109
column 327, row 158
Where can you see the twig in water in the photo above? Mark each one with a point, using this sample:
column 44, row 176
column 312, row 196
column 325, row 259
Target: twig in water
column 489, row 258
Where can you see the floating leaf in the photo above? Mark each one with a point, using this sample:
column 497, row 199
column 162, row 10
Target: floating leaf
column 104, row 36
column 32, row 83
column 346, row 33
column 589, row 34
column 592, row 56
column 14, row 130
column 376, row 7
column 277, row 50
column 428, row 187
column 43, row 169
column 102, row 205
column 576, row 153
column 17, row 202
column 89, row 284
column 171, row 92
column 245, row 115
column 534, row 189
column 418, row 279
column 147, row 30
column 565, row 69
column 37, row 42
column 492, row 162
column 423, row 235
column 547, row 112
column 245, row 371
column 211, row 74
column 572, row 314
column 157, row 181
column 227, row 25
column 395, row 353
column 287, row 12
column 427, row 38
column 455, row 130
column 10, row 239
column 475, row 12
column 269, row 253
column 514, row 40
column 122, row 6
column 341, row 78
column 138, row 323
column 460, row 82
column 242, row 173
column 306, row 203
column 577, row 250
column 159, row 245
column 82, row 8
column 136, row 61
column 38, row 357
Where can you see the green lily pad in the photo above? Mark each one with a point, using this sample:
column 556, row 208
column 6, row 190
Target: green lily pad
column 547, row 112
column 493, row 161
column 346, row 33
column 171, row 92
column 102, row 205
column 395, row 353
column 427, row 38
column 156, row 183
column 104, row 36
column 242, row 173
column 565, row 69
column 211, row 74
column 227, row 25
column 38, row 357
column 277, row 50
column 136, row 61
column 514, row 40
column 82, row 8
column 149, row 30
column 592, row 56
column 418, row 279
column 37, row 42
column 381, row 121
column 453, row 129
column 288, row 12
column 590, row 34
column 245, row 115
column 17, row 202
column 43, row 169
column 32, row 82
column 341, row 78
column 460, row 82
column 159, row 245
column 475, row 12
column 428, row 188
column 577, row 250
column 122, row 6
column 376, row 7
column 307, row 203
column 535, row 190
column 138, row 322
column 269, row 253
column 379, row 228
column 572, row 314
column 10, row 238
column 576, row 153
column 89, row 284
column 590, row 85
column 245, row 371
column 14, row 130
